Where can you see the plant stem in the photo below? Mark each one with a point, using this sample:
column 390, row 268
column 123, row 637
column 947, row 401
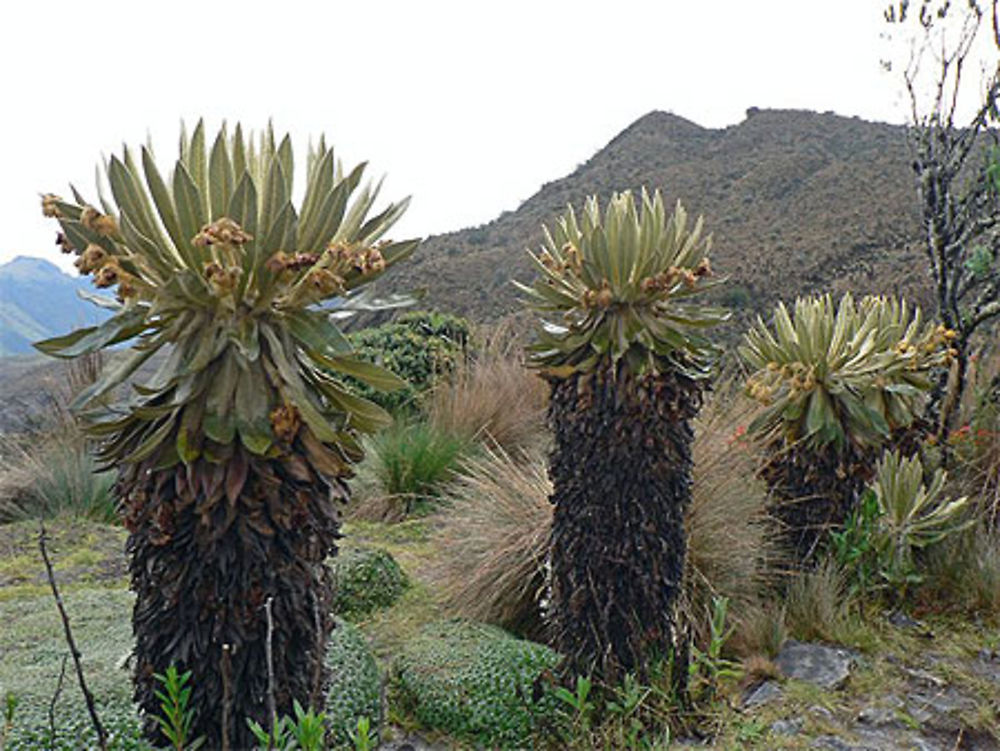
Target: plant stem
column 272, row 708
column 55, row 698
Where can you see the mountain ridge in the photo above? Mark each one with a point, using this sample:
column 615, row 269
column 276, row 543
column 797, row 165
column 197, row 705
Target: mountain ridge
column 798, row 202
column 25, row 281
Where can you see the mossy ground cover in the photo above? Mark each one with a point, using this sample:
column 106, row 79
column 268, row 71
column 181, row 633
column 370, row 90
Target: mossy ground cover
column 894, row 663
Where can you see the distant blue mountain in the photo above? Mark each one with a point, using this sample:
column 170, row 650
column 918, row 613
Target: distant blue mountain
column 37, row 301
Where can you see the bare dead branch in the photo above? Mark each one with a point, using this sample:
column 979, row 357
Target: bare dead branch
column 55, row 698
column 272, row 707
column 227, row 692
column 102, row 735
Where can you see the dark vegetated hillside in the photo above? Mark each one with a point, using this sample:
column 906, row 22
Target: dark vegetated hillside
column 797, row 202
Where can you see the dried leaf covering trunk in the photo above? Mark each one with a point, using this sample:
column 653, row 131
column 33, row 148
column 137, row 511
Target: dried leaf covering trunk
column 621, row 471
column 209, row 544
column 814, row 491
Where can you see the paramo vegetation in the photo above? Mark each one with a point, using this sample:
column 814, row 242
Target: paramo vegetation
column 574, row 529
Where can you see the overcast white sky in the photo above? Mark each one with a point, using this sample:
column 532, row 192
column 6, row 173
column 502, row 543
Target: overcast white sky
column 467, row 106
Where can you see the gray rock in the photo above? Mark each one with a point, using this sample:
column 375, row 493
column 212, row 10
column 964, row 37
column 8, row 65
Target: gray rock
column 948, row 701
column 922, row 676
column 831, row 742
column 408, row 742
column 899, row 619
column 817, row 710
column 987, row 665
column 787, row 727
column 878, row 717
column 819, row 664
column 765, row 692
column 893, row 739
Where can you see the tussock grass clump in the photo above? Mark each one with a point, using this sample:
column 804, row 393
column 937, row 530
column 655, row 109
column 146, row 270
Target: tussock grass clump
column 731, row 544
column 58, row 477
column 491, row 398
column 817, row 604
column 407, row 465
column 494, row 538
column 963, row 572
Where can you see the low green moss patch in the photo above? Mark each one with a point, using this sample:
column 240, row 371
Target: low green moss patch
column 365, row 580
column 355, row 688
column 473, row 682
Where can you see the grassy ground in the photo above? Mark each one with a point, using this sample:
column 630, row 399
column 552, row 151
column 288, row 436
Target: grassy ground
column 410, row 544
column 940, row 659
column 84, row 555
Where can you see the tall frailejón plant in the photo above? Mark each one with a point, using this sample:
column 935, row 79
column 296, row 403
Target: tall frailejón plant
column 233, row 454
column 838, row 384
column 620, row 344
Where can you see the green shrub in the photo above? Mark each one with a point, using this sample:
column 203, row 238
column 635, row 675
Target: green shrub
column 410, row 463
column 365, row 580
column 355, row 689
column 419, row 347
column 474, row 682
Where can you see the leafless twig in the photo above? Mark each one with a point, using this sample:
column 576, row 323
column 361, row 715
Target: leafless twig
column 102, row 735
column 55, row 698
column 318, row 647
column 272, row 708
column 227, row 692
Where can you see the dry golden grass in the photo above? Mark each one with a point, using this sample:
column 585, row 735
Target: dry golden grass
column 817, row 604
column 963, row 573
column 493, row 540
column 760, row 629
column 494, row 535
column 493, row 398
column 730, row 542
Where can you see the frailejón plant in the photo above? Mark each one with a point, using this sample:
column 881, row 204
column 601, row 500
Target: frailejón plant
column 620, row 342
column 233, row 455
column 838, row 382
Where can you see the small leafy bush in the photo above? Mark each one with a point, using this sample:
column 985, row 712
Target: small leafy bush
column 419, row 347
column 474, row 682
column 74, row 731
column 355, row 687
column 365, row 580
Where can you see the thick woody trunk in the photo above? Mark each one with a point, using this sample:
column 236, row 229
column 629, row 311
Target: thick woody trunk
column 621, row 471
column 204, row 564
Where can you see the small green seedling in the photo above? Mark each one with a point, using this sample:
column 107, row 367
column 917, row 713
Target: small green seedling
column 365, row 737
column 176, row 715
column 582, row 708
